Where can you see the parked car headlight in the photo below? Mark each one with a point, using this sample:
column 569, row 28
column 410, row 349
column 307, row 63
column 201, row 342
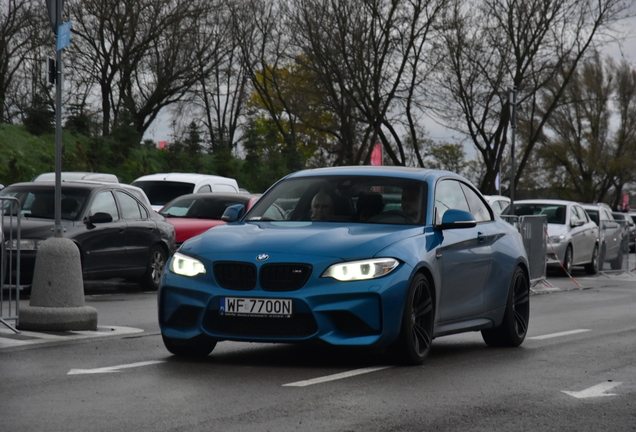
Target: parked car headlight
column 361, row 270
column 186, row 266
column 25, row 244
column 557, row 239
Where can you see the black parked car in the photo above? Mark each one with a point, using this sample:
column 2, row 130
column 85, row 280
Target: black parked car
column 117, row 234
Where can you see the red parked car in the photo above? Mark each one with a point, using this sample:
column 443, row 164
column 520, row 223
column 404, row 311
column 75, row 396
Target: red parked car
column 195, row 213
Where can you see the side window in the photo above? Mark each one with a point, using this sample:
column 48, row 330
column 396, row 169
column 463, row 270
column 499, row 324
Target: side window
column 449, row 195
column 130, row 208
column 478, row 207
column 104, row 202
column 204, row 188
column 579, row 214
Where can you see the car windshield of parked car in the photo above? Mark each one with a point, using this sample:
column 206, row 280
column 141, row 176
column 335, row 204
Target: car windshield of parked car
column 162, row 192
column 344, row 199
column 555, row 213
column 200, row 207
column 39, row 201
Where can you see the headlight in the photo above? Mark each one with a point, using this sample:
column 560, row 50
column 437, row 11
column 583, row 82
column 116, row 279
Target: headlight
column 186, row 266
column 361, row 270
column 556, row 239
column 25, row 244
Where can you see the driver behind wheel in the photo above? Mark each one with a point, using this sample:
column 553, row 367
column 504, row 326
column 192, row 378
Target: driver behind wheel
column 412, row 202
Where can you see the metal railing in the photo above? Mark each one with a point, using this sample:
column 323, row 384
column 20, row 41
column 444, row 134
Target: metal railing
column 10, row 261
column 533, row 230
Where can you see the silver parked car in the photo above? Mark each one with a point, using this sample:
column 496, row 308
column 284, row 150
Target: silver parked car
column 573, row 238
column 610, row 234
column 629, row 230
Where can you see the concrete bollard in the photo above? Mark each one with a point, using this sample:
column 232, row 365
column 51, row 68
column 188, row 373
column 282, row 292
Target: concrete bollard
column 57, row 293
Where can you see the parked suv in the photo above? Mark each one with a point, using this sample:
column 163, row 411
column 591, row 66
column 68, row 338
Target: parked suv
column 162, row 188
column 572, row 235
column 610, row 234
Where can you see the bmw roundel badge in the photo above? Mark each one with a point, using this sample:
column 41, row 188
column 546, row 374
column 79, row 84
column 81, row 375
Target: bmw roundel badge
column 262, row 257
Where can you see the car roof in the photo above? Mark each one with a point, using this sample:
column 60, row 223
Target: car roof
column 207, row 195
column 78, row 175
column 415, row 173
column 183, row 177
column 546, row 201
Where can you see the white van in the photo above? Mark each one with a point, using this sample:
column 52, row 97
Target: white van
column 164, row 187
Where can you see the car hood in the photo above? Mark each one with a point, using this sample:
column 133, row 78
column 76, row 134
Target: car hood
column 346, row 241
column 557, row 229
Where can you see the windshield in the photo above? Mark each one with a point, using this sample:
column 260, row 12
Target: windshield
column 344, row 199
column 39, row 202
column 161, row 192
column 555, row 213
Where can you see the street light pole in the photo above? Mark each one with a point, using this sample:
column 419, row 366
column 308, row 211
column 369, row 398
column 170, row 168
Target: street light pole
column 512, row 99
column 58, row 123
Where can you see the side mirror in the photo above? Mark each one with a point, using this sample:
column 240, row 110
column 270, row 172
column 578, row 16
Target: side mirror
column 576, row 222
column 99, row 218
column 454, row 219
column 233, row 213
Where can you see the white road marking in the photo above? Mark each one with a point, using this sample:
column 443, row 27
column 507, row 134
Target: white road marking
column 565, row 333
column 595, row 391
column 111, row 369
column 335, row 376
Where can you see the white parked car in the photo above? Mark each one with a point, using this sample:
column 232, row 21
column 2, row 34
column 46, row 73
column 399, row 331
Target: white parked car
column 498, row 202
column 164, row 187
column 573, row 238
column 610, row 234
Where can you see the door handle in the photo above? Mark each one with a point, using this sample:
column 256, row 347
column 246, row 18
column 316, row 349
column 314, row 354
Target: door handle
column 481, row 237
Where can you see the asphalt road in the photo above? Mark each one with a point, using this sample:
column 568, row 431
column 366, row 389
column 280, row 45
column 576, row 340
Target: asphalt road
column 575, row 372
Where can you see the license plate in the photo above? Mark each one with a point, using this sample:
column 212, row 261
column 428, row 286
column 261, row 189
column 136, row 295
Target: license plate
column 256, row 307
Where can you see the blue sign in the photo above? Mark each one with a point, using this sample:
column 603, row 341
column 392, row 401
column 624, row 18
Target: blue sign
column 64, row 36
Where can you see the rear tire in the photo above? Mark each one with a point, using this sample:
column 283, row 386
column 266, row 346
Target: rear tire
column 514, row 327
column 197, row 347
column 416, row 334
column 156, row 262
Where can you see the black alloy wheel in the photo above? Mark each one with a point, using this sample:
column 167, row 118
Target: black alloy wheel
column 416, row 335
column 514, row 327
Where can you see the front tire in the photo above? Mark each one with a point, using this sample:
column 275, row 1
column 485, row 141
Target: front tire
column 514, row 327
column 592, row 267
column 156, row 262
column 416, row 334
column 197, row 347
column 567, row 260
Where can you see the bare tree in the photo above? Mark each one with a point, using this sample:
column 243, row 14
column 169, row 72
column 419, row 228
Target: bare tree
column 19, row 41
column 589, row 159
column 141, row 54
column 219, row 96
column 370, row 57
column 496, row 45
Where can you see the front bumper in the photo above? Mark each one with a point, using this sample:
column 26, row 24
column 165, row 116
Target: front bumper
column 360, row 313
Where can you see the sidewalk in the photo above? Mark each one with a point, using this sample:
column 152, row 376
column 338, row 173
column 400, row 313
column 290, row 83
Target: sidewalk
column 10, row 339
